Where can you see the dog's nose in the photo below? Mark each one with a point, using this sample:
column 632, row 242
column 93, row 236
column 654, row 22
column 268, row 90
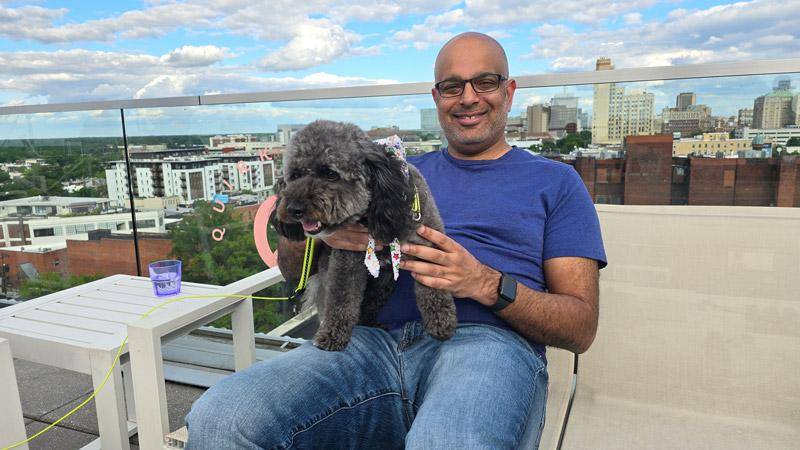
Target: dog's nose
column 295, row 210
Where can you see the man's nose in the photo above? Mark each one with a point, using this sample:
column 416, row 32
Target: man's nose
column 295, row 211
column 469, row 96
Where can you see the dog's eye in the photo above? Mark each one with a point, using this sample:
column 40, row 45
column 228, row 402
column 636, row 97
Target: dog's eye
column 330, row 175
column 295, row 174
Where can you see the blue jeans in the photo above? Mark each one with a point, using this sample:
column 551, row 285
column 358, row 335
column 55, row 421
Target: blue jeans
column 386, row 389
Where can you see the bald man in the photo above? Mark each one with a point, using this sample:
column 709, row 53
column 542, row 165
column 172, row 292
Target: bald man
column 520, row 253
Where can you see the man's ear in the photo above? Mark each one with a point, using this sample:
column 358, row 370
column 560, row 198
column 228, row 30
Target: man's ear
column 389, row 209
column 511, row 87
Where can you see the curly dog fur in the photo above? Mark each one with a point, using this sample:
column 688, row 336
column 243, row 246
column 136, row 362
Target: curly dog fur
column 335, row 175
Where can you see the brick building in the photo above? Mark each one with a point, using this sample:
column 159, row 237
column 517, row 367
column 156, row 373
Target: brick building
column 648, row 170
column 41, row 258
column 108, row 254
column 789, row 183
column 650, row 175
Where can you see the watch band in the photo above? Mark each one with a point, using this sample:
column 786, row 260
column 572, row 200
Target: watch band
column 506, row 292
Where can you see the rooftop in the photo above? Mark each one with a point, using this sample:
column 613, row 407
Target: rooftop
column 697, row 301
column 44, row 200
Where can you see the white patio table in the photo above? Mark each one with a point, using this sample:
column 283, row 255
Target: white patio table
column 81, row 329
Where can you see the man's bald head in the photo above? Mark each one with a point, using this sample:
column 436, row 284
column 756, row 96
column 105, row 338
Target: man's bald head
column 470, row 43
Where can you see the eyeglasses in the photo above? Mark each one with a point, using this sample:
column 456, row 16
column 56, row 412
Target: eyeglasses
column 482, row 84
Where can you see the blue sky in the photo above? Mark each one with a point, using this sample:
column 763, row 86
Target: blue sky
column 66, row 51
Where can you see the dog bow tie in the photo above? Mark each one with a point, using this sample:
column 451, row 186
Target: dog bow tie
column 371, row 259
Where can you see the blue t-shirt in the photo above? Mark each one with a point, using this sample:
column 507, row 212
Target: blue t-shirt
column 511, row 213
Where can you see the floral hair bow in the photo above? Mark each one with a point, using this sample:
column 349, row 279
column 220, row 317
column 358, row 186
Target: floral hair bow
column 394, row 147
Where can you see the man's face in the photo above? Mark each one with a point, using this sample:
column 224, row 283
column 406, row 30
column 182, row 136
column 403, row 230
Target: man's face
column 473, row 122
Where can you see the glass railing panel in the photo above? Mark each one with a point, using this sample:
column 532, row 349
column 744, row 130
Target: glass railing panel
column 58, row 227
column 211, row 168
column 728, row 141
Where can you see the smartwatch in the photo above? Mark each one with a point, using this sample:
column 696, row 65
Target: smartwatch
column 506, row 292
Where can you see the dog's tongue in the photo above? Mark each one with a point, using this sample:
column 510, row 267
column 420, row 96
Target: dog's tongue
column 311, row 226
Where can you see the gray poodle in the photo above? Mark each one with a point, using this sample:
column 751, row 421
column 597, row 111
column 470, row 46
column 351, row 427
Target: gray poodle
column 335, row 175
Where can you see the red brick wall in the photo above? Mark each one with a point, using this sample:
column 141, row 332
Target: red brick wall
column 709, row 184
column 788, row 194
column 756, row 181
column 112, row 256
column 586, row 169
column 52, row 261
column 609, row 183
column 648, row 170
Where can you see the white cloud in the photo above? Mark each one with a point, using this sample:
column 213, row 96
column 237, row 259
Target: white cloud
column 84, row 75
column 317, row 42
column 633, row 18
column 191, row 56
column 719, row 33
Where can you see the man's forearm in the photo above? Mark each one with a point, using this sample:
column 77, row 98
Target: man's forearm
column 557, row 320
column 290, row 259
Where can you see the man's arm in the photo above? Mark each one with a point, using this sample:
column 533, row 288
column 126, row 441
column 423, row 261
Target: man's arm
column 290, row 253
column 290, row 259
column 565, row 317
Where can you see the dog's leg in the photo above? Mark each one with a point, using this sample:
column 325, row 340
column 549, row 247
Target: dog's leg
column 438, row 311
column 377, row 294
column 345, row 280
column 437, row 308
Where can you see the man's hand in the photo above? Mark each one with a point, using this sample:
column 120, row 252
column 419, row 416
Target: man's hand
column 352, row 237
column 450, row 267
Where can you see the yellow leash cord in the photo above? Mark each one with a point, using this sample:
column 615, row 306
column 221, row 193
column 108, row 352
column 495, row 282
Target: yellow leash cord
column 307, row 262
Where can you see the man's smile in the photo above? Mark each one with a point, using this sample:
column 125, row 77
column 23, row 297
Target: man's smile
column 469, row 119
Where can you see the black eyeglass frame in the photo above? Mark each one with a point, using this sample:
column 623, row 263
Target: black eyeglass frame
column 500, row 79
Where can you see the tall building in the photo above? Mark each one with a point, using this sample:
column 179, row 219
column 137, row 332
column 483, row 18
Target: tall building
column 784, row 85
column 428, row 119
column 796, row 109
column 287, row 131
column 630, row 114
column 563, row 111
column 774, row 110
column 685, row 100
column 686, row 121
column 537, row 119
column 601, row 105
column 745, row 118
column 190, row 178
column 245, row 142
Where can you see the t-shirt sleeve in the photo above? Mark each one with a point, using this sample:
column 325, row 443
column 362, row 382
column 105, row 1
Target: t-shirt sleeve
column 572, row 227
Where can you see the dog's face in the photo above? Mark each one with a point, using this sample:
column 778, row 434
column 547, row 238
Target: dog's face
column 334, row 175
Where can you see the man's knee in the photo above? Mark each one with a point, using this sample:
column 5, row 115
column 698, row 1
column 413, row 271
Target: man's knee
column 434, row 438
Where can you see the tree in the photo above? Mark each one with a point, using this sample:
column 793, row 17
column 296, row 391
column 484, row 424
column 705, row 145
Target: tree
column 50, row 282
column 793, row 142
column 222, row 262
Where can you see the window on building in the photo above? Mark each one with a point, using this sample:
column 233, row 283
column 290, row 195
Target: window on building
column 147, row 223
column 41, row 232
column 729, row 178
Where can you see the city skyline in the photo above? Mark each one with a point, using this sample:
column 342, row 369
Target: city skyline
column 725, row 95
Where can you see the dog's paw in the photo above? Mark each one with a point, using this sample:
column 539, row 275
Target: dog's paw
column 330, row 343
column 441, row 324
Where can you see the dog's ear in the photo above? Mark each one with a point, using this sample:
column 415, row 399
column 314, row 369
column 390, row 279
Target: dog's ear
column 291, row 231
column 389, row 209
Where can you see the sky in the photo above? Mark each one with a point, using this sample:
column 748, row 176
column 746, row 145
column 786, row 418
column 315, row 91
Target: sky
column 75, row 51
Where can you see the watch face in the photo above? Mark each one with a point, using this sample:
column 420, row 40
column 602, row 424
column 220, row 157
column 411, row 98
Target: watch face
column 508, row 289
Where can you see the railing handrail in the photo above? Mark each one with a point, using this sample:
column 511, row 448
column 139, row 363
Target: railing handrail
column 629, row 75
